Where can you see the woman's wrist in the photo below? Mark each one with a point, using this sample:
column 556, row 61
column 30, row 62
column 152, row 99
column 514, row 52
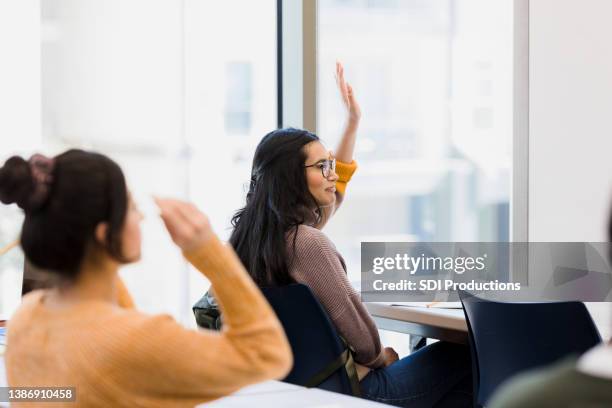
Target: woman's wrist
column 352, row 123
column 211, row 240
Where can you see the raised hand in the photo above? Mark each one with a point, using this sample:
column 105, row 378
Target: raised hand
column 346, row 145
column 348, row 95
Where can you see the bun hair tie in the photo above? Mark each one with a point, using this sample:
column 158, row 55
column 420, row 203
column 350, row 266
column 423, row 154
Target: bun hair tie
column 41, row 169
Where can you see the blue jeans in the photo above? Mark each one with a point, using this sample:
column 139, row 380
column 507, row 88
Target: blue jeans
column 437, row 375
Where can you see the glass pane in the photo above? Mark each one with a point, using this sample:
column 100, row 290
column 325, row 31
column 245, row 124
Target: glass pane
column 177, row 93
column 19, row 126
column 434, row 79
column 11, row 260
column 238, row 100
column 230, row 72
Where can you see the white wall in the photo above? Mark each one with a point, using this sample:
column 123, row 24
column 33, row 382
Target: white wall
column 19, row 77
column 570, row 116
column 570, row 124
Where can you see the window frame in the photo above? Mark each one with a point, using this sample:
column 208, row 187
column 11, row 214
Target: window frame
column 298, row 85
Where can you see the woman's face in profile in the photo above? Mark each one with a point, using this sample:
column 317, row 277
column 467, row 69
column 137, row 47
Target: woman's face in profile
column 322, row 189
column 130, row 236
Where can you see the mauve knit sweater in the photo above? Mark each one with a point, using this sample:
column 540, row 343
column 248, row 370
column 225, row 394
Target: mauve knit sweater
column 317, row 264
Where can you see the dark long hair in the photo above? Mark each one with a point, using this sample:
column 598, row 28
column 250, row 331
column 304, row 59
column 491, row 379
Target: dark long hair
column 277, row 202
column 81, row 190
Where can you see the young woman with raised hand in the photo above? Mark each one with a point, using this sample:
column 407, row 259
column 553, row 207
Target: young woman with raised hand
column 296, row 186
column 81, row 225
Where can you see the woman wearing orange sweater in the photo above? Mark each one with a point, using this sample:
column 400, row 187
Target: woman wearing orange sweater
column 81, row 225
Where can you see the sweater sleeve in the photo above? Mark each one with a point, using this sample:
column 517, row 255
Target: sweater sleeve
column 345, row 171
column 195, row 366
column 316, row 264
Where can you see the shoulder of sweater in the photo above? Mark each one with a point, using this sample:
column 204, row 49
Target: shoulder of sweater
column 124, row 330
column 32, row 297
column 309, row 238
column 127, row 322
column 111, row 328
column 132, row 318
column 25, row 309
column 309, row 233
column 314, row 251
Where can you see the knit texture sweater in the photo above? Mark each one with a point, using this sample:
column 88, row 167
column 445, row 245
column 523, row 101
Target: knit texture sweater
column 116, row 356
column 315, row 262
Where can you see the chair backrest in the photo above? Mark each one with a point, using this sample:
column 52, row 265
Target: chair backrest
column 508, row 338
column 313, row 338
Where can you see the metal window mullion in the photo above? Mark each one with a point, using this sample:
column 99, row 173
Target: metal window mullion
column 298, row 65
column 519, row 215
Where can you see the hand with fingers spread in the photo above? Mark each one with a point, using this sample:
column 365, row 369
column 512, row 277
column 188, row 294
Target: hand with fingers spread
column 188, row 226
column 348, row 96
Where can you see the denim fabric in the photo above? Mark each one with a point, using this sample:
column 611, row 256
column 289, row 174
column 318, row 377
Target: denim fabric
column 438, row 375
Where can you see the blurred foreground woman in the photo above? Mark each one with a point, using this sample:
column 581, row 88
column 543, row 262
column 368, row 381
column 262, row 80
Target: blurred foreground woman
column 81, row 225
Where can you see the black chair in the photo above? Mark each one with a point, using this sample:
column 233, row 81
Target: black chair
column 321, row 357
column 508, row 338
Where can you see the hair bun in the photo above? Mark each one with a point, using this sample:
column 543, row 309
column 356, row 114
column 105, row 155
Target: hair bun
column 16, row 183
column 27, row 183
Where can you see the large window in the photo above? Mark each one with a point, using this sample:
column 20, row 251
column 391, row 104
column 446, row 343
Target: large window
column 11, row 263
column 434, row 78
column 178, row 92
column 19, row 125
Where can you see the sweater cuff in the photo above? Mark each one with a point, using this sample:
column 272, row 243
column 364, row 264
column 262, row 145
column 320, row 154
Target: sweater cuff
column 379, row 361
column 345, row 171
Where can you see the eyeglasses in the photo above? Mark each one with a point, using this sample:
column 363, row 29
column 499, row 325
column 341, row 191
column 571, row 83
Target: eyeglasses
column 326, row 166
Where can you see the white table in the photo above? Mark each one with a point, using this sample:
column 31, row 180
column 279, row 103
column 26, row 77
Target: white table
column 269, row 394
column 436, row 323
column 276, row 394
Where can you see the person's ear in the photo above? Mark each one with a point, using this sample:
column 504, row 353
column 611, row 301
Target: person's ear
column 100, row 233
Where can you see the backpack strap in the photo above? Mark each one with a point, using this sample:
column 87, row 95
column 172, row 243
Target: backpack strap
column 344, row 360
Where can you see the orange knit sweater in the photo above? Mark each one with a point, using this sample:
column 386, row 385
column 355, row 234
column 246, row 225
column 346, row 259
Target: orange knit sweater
column 116, row 356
